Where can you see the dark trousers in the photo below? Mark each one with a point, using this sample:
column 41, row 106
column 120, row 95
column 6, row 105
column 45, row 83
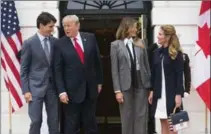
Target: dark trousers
column 80, row 115
column 151, row 122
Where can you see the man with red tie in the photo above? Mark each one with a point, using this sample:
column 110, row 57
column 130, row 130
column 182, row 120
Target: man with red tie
column 78, row 76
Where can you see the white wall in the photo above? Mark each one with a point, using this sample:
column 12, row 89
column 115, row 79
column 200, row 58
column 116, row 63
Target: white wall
column 27, row 13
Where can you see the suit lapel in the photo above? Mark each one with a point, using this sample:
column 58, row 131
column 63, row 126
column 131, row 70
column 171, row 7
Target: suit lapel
column 124, row 50
column 138, row 52
column 84, row 43
column 73, row 48
column 51, row 40
column 40, row 48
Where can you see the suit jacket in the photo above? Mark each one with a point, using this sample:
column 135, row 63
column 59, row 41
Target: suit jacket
column 36, row 72
column 187, row 73
column 121, row 66
column 150, row 51
column 76, row 79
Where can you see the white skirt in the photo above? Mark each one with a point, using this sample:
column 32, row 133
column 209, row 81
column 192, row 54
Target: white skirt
column 161, row 110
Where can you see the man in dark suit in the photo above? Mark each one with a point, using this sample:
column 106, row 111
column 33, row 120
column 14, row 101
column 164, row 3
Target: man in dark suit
column 78, row 74
column 37, row 75
column 151, row 119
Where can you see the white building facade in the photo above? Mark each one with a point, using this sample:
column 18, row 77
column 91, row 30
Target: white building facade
column 182, row 14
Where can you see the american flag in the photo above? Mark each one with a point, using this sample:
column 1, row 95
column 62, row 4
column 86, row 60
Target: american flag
column 11, row 42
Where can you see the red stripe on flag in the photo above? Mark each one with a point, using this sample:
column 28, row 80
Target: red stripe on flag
column 11, row 65
column 204, row 92
column 13, row 45
column 15, row 94
column 11, row 88
column 19, row 37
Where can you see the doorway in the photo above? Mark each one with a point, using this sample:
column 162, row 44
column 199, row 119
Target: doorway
column 107, row 112
column 104, row 23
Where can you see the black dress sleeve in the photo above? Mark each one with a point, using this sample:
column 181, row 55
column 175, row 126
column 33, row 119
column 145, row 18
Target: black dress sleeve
column 179, row 70
column 187, row 73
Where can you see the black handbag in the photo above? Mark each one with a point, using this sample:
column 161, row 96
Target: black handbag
column 178, row 121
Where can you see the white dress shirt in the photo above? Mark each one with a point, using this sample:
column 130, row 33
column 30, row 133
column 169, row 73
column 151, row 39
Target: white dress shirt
column 41, row 37
column 79, row 41
column 130, row 45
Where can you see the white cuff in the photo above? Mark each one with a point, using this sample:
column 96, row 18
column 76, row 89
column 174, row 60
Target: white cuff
column 118, row 91
column 63, row 93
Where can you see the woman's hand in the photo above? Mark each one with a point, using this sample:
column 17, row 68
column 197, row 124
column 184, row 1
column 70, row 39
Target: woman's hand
column 150, row 97
column 178, row 100
column 119, row 97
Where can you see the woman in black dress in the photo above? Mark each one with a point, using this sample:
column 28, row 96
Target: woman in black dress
column 167, row 77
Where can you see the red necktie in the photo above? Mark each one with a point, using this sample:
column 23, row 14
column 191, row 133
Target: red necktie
column 79, row 50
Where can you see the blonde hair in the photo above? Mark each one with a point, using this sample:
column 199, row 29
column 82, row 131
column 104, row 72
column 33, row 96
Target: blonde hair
column 125, row 24
column 139, row 42
column 174, row 44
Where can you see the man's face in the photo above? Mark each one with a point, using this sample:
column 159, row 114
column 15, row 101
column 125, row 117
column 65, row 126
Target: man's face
column 71, row 28
column 48, row 29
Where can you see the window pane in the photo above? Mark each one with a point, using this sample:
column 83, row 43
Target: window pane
column 104, row 4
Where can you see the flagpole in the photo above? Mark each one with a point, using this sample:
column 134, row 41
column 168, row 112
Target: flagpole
column 10, row 114
column 206, row 120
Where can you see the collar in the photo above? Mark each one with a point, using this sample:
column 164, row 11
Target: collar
column 78, row 37
column 126, row 40
column 41, row 37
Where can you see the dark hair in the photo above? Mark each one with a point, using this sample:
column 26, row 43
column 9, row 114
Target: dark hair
column 45, row 18
column 125, row 24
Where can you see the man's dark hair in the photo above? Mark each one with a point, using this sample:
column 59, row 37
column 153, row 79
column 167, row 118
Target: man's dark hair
column 45, row 18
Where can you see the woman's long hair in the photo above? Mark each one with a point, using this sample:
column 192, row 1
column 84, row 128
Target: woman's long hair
column 125, row 24
column 174, row 44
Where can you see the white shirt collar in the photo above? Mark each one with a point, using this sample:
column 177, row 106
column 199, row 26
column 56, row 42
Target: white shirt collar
column 78, row 37
column 41, row 37
column 126, row 40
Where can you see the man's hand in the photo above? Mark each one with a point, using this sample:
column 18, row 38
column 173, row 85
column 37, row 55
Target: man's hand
column 28, row 97
column 99, row 88
column 64, row 98
column 119, row 97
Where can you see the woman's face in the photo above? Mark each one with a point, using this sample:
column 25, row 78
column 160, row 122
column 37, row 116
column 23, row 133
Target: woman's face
column 133, row 30
column 162, row 38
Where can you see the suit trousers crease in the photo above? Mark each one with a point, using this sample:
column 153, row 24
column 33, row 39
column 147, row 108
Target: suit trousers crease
column 35, row 112
column 134, row 111
column 79, row 115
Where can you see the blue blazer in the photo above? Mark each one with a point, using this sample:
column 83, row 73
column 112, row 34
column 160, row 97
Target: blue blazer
column 173, row 72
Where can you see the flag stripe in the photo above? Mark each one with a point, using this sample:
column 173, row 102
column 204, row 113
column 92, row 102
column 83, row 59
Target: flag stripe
column 17, row 42
column 13, row 101
column 11, row 65
column 12, row 45
column 19, row 37
column 11, row 53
